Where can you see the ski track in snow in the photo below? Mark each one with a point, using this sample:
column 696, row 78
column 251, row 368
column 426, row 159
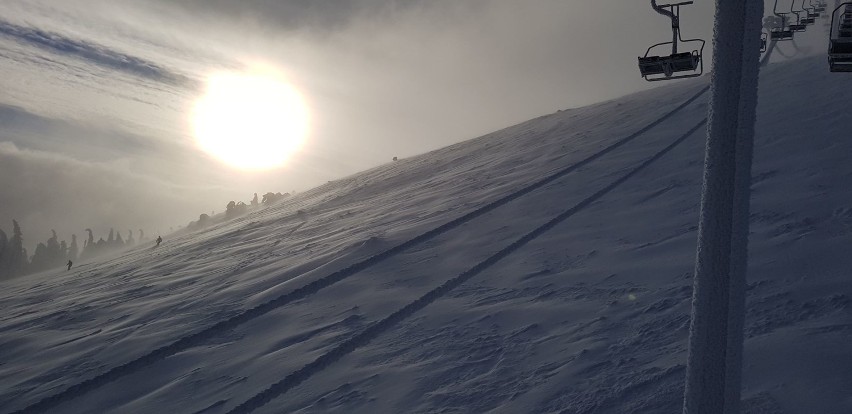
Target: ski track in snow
column 313, row 287
column 389, row 322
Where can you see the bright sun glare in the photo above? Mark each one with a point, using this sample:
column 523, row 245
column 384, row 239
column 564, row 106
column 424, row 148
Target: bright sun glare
column 252, row 120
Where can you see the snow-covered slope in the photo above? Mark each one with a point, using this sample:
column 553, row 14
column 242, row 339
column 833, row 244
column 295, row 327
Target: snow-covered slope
column 542, row 268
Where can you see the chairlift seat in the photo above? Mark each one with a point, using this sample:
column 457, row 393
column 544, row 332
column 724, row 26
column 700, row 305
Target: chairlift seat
column 840, row 62
column 813, row 14
column 781, row 34
column 840, row 46
column 798, row 27
column 840, row 55
column 668, row 65
column 808, row 20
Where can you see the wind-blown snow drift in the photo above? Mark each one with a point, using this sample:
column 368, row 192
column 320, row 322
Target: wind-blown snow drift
column 381, row 292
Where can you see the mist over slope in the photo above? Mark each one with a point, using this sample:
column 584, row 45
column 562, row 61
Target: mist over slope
column 545, row 267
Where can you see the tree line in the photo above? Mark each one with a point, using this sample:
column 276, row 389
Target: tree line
column 235, row 209
column 53, row 253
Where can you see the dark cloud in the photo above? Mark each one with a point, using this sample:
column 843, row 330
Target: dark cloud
column 302, row 15
column 93, row 53
column 28, row 130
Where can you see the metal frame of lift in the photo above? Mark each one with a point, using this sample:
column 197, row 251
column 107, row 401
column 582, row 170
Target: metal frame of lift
column 659, row 68
column 800, row 25
column 812, row 13
column 783, row 33
column 840, row 46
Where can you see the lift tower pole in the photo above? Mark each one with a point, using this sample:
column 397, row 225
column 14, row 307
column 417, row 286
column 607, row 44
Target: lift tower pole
column 716, row 332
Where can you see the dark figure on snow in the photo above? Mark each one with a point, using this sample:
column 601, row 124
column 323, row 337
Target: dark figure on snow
column 69, row 264
column 159, row 240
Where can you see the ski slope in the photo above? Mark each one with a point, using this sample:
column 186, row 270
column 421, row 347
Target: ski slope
column 543, row 268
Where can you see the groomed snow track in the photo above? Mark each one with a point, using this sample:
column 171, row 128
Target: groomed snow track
column 376, row 329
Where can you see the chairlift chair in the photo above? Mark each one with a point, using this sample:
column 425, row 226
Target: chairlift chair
column 840, row 40
column 812, row 11
column 780, row 33
column 673, row 66
column 800, row 25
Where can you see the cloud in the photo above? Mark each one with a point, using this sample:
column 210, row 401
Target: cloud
column 93, row 53
column 45, row 191
column 96, row 82
column 33, row 131
column 318, row 17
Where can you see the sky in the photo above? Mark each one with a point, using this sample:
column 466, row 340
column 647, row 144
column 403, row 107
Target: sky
column 95, row 113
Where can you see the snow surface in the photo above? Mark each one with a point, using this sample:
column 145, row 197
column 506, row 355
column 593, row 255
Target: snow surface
column 392, row 291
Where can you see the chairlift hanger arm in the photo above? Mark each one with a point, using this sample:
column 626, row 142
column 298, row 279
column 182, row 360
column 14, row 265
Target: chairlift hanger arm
column 793, row 3
column 775, row 10
column 661, row 8
column 672, row 13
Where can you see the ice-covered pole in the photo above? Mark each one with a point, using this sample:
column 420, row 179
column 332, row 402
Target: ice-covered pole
column 742, row 208
column 715, row 336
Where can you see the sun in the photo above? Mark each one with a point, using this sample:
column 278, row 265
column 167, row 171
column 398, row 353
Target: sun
column 253, row 120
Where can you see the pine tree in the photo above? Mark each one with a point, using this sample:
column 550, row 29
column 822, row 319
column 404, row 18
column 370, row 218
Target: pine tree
column 40, row 259
column 54, row 251
column 17, row 254
column 4, row 252
column 72, row 249
column 89, row 245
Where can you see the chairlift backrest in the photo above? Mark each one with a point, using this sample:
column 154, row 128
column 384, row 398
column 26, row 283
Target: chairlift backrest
column 840, row 40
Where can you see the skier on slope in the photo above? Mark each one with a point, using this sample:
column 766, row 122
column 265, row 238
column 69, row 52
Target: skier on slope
column 69, row 264
column 159, row 240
